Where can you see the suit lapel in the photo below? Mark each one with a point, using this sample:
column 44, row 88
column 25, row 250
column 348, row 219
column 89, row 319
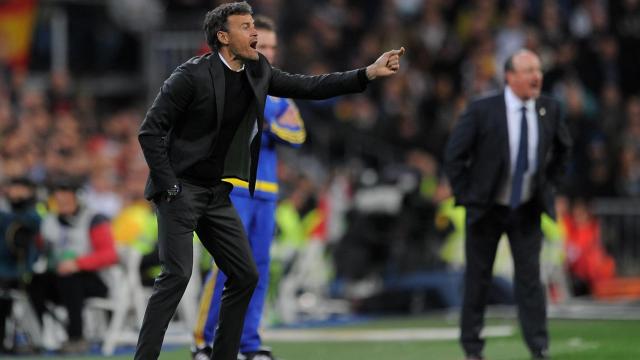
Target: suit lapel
column 543, row 124
column 251, row 69
column 217, row 75
column 254, row 75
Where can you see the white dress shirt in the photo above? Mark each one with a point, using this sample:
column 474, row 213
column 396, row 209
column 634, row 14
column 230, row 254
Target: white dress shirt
column 227, row 64
column 514, row 118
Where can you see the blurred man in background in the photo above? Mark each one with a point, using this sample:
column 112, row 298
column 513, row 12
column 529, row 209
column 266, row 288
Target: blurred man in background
column 79, row 243
column 283, row 125
column 503, row 158
column 19, row 228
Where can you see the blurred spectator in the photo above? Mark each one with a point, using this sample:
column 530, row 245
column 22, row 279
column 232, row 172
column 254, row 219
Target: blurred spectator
column 437, row 111
column 587, row 18
column 627, row 15
column 61, row 97
column 136, row 226
column 101, row 195
column 450, row 220
column 19, row 227
column 553, row 28
column 628, row 178
column 612, row 119
column 584, row 131
column 34, row 116
column 433, row 29
column 600, row 172
column 427, row 167
column 587, row 259
column 6, row 116
column 512, row 34
column 79, row 243
column 291, row 233
column 476, row 20
column 66, row 155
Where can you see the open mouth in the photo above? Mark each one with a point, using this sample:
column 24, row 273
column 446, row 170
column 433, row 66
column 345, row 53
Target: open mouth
column 253, row 44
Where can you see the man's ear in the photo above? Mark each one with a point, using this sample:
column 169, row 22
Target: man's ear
column 223, row 37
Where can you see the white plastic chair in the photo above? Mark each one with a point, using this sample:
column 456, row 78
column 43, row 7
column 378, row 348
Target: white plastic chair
column 118, row 302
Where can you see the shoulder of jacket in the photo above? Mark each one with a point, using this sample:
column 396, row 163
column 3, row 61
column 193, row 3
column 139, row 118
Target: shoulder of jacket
column 487, row 98
column 484, row 101
column 199, row 60
column 195, row 64
column 547, row 99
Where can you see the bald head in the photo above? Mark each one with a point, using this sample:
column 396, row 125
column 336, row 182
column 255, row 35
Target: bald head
column 523, row 73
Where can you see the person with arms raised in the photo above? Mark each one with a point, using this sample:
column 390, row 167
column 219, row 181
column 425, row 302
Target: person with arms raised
column 205, row 125
column 283, row 125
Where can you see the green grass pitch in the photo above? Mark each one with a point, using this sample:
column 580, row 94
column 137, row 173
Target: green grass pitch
column 570, row 340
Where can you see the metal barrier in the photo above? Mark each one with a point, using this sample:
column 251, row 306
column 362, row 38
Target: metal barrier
column 620, row 232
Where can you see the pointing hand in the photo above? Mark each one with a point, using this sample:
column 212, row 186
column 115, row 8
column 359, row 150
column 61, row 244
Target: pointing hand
column 386, row 65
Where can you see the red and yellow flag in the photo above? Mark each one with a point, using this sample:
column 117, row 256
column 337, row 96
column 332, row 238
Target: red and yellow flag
column 17, row 20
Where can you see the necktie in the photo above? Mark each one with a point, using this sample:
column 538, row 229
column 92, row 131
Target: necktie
column 522, row 162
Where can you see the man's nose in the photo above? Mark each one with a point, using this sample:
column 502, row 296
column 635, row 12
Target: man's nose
column 538, row 75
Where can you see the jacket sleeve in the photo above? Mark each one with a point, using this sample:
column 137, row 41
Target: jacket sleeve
column 283, row 84
column 562, row 144
column 458, row 152
column 171, row 102
column 102, row 244
column 290, row 133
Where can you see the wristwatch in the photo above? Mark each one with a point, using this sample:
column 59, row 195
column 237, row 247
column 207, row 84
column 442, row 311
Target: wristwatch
column 172, row 192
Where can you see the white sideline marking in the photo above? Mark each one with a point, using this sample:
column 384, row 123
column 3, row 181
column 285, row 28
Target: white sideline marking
column 416, row 334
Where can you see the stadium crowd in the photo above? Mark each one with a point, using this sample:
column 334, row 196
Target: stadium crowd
column 368, row 182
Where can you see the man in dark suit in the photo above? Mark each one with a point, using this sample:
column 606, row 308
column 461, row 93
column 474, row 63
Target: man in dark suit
column 502, row 159
column 205, row 125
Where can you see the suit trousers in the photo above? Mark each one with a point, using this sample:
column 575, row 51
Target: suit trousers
column 209, row 212
column 259, row 220
column 522, row 226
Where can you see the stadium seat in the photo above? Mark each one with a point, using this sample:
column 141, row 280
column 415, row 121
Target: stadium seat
column 118, row 303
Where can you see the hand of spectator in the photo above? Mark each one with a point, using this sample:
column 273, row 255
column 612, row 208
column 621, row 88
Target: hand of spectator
column 67, row 267
column 386, row 65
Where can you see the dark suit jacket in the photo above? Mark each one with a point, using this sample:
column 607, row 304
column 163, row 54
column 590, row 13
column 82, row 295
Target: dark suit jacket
column 477, row 158
column 181, row 126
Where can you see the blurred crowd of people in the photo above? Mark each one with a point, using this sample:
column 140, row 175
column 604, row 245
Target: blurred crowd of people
column 456, row 51
column 392, row 135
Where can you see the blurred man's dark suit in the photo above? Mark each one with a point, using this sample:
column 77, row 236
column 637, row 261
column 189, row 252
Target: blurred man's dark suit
column 478, row 164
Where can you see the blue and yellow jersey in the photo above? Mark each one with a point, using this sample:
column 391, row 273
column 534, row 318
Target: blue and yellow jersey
column 291, row 133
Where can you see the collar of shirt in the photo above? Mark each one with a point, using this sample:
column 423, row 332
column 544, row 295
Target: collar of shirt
column 227, row 64
column 514, row 103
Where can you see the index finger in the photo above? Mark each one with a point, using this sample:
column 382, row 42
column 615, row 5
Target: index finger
column 398, row 52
